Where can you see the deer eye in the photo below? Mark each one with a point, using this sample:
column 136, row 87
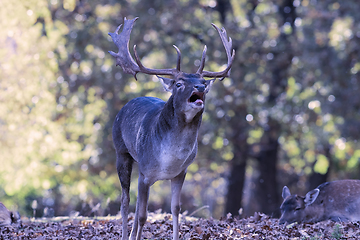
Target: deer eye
column 298, row 208
column 178, row 85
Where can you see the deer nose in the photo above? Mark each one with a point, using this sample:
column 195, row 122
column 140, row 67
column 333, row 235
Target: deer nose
column 200, row 87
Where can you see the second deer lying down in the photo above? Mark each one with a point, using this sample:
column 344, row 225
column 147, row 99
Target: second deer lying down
column 337, row 201
column 160, row 136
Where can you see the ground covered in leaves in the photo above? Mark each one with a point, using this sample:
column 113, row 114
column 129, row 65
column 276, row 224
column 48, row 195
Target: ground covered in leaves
column 159, row 226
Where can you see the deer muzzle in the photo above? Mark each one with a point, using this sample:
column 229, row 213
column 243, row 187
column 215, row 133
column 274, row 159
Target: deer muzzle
column 197, row 98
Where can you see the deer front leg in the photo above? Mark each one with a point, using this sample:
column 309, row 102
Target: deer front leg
column 176, row 185
column 141, row 208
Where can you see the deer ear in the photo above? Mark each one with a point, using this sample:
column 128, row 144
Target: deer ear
column 208, row 85
column 286, row 192
column 167, row 83
column 311, row 196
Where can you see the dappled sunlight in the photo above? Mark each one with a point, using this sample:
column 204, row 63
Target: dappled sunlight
column 291, row 101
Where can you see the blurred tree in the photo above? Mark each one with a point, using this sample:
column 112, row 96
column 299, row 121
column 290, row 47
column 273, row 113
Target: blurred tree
column 47, row 134
column 279, row 62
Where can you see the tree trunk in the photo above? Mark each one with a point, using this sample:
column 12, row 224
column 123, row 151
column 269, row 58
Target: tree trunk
column 267, row 194
column 267, row 157
column 223, row 6
column 236, row 179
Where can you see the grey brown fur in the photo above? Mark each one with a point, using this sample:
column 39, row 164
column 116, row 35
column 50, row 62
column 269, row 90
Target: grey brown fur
column 337, row 201
column 7, row 217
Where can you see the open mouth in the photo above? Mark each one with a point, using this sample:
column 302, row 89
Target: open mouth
column 197, row 98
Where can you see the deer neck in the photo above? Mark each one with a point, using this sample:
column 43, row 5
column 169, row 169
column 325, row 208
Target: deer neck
column 172, row 119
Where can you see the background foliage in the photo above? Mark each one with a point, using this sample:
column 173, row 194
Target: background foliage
column 289, row 114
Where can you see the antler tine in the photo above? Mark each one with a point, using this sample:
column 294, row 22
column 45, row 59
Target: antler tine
column 202, row 63
column 227, row 42
column 137, row 59
column 124, row 58
column 178, row 59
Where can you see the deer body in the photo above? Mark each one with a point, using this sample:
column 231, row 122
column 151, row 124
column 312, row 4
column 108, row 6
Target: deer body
column 162, row 147
column 337, row 201
column 160, row 136
column 149, row 131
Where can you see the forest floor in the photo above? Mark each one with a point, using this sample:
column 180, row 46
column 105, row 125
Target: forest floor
column 159, row 226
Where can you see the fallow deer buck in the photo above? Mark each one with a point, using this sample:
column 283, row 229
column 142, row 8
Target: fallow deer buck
column 160, row 136
column 338, row 201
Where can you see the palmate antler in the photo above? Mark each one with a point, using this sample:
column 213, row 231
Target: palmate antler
column 127, row 63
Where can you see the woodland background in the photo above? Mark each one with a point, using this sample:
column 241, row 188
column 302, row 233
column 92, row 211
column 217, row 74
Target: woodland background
column 288, row 115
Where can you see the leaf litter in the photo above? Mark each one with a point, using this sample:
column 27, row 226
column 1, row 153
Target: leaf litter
column 159, row 226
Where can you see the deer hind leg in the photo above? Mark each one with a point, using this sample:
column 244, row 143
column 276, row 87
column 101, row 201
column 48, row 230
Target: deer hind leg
column 141, row 208
column 176, row 185
column 124, row 163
